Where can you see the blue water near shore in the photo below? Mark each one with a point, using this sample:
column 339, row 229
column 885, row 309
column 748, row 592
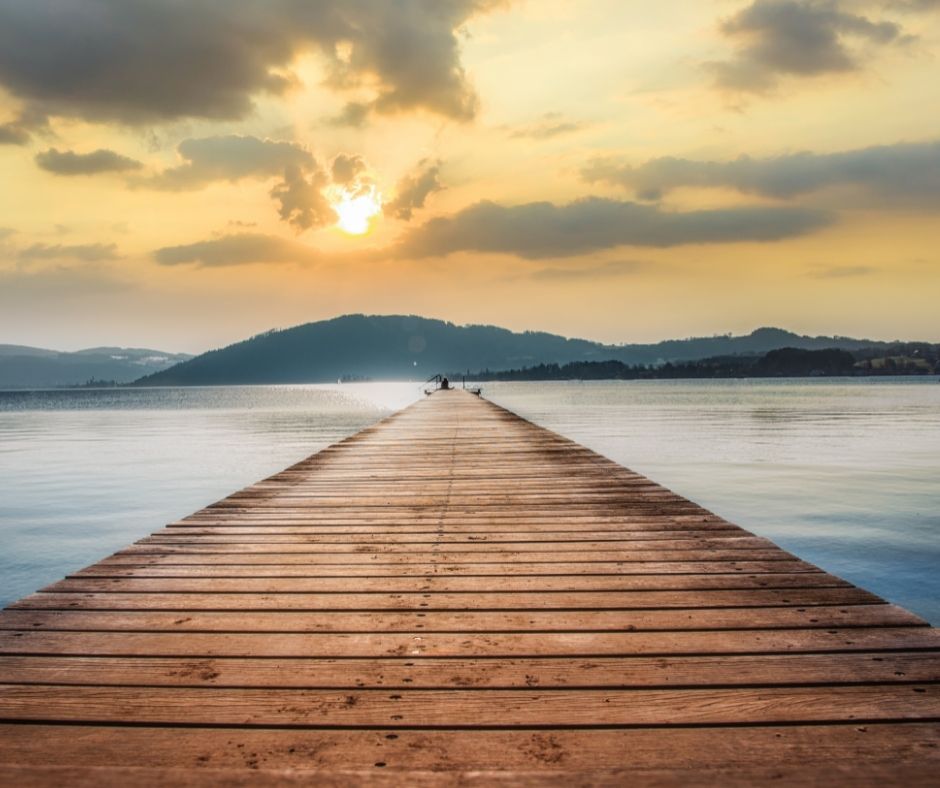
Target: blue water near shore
column 845, row 473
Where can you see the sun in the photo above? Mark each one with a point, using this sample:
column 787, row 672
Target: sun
column 355, row 209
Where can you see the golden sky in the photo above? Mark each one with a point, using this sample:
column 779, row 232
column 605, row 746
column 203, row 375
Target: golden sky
column 181, row 175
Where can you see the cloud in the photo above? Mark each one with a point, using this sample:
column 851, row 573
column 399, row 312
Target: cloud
column 545, row 230
column 354, row 115
column 20, row 130
column 612, row 269
column 800, row 38
column 907, row 173
column 300, row 190
column 411, row 46
column 914, row 6
column 303, row 185
column 83, row 252
column 230, row 158
column 41, row 252
column 346, row 169
column 301, row 199
column 551, row 124
column 238, row 249
column 13, row 133
column 152, row 61
column 413, row 190
column 22, row 287
column 69, row 162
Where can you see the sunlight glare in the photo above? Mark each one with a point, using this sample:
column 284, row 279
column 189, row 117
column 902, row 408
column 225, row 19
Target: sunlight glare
column 388, row 395
column 356, row 210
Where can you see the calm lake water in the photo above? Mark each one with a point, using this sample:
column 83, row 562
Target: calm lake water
column 844, row 473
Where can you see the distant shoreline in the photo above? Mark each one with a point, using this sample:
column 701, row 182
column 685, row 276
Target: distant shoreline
column 787, row 362
column 925, row 378
column 523, row 377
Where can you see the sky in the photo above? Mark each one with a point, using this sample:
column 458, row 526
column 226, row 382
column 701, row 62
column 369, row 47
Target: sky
column 182, row 174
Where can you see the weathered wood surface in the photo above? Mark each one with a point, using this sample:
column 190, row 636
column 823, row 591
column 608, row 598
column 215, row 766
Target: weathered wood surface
column 458, row 594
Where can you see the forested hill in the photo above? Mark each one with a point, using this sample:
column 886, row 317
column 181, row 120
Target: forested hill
column 398, row 347
column 903, row 358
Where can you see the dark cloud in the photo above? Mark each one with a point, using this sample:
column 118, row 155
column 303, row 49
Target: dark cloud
column 413, row 190
column 544, row 230
column 20, row 130
column 913, row 6
column 302, row 180
column 346, row 169
column 230, row 158
column 159, row 60
column 354, row 115
column 301, row 199
column 68, row 162
column 799, row 38
column 299, row 191
column 609, row 270
column 82, row 252
column 239, row 249
column 13, row 133
column 551, row 124
column 907, row 173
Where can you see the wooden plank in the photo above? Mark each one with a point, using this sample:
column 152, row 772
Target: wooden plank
column 464, row 621
column 417, row 583
column 542, row 672
column 455, row 535
column 643, row 548
column 557, row 750
column 720, row 565
column 124, row 561
column 866, row 775
column 480, row 600
column 685, row 550
column 536, row 707
column 366, row 522
column 486, row 644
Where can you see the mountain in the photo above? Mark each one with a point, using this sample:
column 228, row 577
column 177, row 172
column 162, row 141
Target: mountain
column 399, row 347
column 758, row 342
column 31, row 367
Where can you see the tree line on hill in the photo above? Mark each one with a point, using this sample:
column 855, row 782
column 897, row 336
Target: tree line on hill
column 900, row 359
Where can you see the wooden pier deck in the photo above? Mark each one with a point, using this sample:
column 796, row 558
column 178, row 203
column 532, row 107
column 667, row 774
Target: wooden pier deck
column 458, row 594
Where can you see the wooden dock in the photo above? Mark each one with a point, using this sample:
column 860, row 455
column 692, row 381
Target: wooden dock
column 461, row 595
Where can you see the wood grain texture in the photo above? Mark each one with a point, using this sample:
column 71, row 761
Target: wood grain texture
column 874, row 775
column 685, row 750
column 455, row 596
